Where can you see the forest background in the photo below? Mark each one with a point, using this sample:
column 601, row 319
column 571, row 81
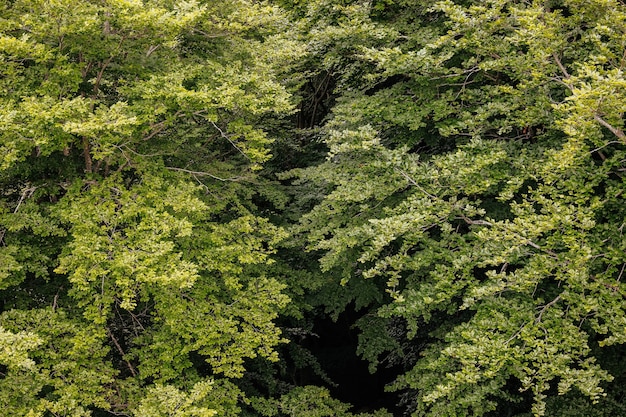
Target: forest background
column 193, row 192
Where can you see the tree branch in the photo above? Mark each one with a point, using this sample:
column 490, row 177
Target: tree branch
column 563, row 69
column 526, row 241
column 621, row 272
column 202, row 174
column 121, row 351
column 225, row 136
column 617, row 132
column 547, row 306
column 517, row 333
column 26, row 194
column 160, row 126
column 477, row 222
column 413, row 182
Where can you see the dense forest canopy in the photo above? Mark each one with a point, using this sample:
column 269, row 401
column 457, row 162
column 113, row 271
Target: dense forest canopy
column 189, row 188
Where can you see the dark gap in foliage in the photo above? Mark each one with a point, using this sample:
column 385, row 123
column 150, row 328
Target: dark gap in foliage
column 613, row 358
column 335, row 348
column 496, row 209
column 200, row 364
column 522, row 403
column 386, row 83
column 317, row 99
column 125, row 326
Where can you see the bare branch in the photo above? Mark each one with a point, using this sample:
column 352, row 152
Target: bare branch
column 121, row 351
column 27, row 193
column 210, row 35
column 526, row 241
column 617, row 132
column 547, row 306
column 517, row 333
column 476, row 222
column 160, row 126
column 534, row 245
column 413, row 182
column 151, row 49
column 225, row 136
column 563, row 70
column 613, row 142
column 203, row 174
column 621, row 273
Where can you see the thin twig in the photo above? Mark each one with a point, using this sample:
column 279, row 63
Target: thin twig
column 412, row 181
column 525, row 239
column 617, row 132
column 517, row 333
column 545, row 307
column 466, row 81
column 476, row 222
column 534, row 245
column 27, row 193
column 621, row 272
column 151, row 49
column 121, row 351
column 563, row 69
column 225, row 136
column 202, row 174
column 613, row 142
column 24, row 196
column 210, row 36
column 160, row 126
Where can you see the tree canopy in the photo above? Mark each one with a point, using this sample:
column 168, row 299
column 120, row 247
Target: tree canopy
column 131, row 132
column 187, row 187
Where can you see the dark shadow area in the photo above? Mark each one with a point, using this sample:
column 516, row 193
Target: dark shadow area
column 335, row 349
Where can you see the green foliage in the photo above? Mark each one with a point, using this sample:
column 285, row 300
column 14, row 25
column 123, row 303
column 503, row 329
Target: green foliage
column 475, row 172
column 169, row 401
column 308, row 401
column 469, row 205
column 55, row 363
column 131, row 265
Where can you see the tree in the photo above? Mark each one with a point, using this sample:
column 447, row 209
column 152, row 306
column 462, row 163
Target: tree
column 470, row 203
column 131, row 262
column 476, row 172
